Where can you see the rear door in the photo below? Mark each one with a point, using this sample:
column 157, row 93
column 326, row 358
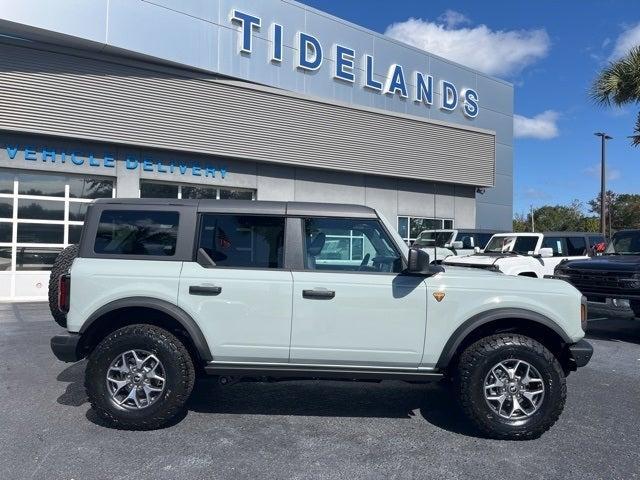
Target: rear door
column 242, row 300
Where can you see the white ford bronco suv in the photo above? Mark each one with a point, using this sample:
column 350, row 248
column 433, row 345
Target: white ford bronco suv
column 452, row 242
column 161, row 289
column 529, row 254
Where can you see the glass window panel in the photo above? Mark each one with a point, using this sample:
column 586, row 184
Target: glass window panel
column 39, row 184
column 403, row 227
column 6, row 232
column 419, row 224
column 199, row 192
column 5, row 259
column 74, row 233
column 77, row 211
column 29, row 258
column 236, row 195
column 122, row 232
column 243, row 241
column 6, row 182
column 576, row 246
column 6, row 208
column 40, row 209
column 375, row 253
column 448, row 224
column 80, row 187
column 39, row 233
column 158, row 190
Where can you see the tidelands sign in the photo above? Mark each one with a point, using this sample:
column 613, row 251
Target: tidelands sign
column 310, row 56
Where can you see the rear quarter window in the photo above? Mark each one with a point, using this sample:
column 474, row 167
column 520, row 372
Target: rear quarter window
column 128, row 232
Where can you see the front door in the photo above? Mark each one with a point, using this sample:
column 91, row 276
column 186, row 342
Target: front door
column 351, row 304
column 242, row 299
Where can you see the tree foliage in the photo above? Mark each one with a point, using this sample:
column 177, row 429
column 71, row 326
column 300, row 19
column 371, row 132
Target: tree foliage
column 619, row 84
column 624, row 208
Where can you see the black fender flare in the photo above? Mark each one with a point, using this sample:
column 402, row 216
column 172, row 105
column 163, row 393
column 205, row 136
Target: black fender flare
column 175, row 312
column 464, row 330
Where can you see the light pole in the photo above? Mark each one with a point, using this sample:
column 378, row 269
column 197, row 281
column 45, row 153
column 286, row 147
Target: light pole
column 603, row 192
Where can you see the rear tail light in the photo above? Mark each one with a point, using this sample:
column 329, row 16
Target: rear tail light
column 64, row 291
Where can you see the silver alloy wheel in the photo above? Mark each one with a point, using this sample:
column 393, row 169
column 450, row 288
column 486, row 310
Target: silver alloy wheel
column 136, row 379
column 514, row 389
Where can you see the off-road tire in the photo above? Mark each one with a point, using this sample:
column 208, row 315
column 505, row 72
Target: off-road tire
column 635, row 307
column 178, row 367
column 473, row 367
column 61, row 265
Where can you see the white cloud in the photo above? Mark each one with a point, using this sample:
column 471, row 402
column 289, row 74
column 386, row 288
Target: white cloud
column 496, row 52
column 452, row 19
column 543, row 126
column 613, row 174
column 628, row 39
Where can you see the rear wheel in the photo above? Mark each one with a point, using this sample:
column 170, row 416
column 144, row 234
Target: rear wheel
column 61, row 265
column 511, row 386
column 139, row 377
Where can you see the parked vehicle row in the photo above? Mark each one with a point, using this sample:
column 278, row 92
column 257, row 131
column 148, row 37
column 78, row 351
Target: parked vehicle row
column 158, row 292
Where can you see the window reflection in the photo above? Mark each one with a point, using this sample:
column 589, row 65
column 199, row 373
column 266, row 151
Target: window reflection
column 6, row 208
column 6, row 182
column 40, row 233
column 199, row 192
column 6, row 231
column 41, row 209
column 28, row 258
column 77, row 211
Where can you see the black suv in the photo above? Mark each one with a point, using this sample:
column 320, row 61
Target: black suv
column 615, row 274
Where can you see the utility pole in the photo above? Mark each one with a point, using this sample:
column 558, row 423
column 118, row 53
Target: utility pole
column 533, row 221
column 603, row 184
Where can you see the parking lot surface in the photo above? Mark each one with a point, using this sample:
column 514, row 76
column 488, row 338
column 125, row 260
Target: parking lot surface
column 308, row 429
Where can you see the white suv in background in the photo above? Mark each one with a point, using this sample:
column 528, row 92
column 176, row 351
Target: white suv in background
column 529, row 254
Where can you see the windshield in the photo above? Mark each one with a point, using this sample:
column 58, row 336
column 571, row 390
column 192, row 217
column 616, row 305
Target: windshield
column 515, row 244
column 430, row 239
column 624, row 243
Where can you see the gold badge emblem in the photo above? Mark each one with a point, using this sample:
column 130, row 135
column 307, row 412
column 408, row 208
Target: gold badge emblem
column 438, row 296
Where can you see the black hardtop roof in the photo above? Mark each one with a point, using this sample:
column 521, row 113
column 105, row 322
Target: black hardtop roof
column 258, row 207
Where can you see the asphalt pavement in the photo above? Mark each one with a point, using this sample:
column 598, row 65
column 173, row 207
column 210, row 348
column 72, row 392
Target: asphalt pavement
column 310, row 429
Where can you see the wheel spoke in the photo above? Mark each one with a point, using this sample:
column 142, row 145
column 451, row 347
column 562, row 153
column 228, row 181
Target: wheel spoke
column 119, row 385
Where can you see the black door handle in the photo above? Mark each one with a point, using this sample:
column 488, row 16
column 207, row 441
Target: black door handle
column 202, row 290
column 319, row 294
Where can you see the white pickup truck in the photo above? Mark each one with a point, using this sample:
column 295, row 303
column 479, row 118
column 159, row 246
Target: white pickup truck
column 529, row 254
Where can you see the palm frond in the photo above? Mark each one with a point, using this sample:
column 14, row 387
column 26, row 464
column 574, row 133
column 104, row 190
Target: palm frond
column 619, row 82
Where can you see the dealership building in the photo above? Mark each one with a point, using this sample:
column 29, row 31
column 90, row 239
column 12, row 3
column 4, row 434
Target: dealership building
column 256, row 100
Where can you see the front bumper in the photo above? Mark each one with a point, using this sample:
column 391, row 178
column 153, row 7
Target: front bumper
column 65, row 347
column 580, row 353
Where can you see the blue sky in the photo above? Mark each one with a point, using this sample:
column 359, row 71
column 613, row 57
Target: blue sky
column 551, row 51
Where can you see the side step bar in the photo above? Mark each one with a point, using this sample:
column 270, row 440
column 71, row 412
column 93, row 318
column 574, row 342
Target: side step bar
column 286, row 371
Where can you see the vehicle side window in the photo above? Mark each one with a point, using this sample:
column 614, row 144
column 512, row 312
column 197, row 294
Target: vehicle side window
column 557, row 244
column 137, row 232
column 349, row 244
column 576, row 246
column 483, row 239
column 524, row 245
column 243, row 240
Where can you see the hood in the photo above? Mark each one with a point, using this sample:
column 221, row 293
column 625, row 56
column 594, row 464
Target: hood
column 617, row 263
column 473, row 260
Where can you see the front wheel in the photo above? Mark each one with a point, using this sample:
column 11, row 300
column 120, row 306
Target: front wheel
column 139, row 377
column 511, row 386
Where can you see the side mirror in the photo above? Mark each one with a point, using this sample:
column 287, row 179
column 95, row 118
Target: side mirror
column 545, row 252
column 458, row 245
column 476, row 249
column 418, row 261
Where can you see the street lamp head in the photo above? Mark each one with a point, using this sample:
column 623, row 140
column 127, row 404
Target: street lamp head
column 603, row 135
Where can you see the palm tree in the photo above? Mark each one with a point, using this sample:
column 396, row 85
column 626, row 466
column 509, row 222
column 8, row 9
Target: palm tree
column 619, row 84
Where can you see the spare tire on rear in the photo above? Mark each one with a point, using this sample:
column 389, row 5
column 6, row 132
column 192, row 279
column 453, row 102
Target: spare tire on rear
column 61, row 266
